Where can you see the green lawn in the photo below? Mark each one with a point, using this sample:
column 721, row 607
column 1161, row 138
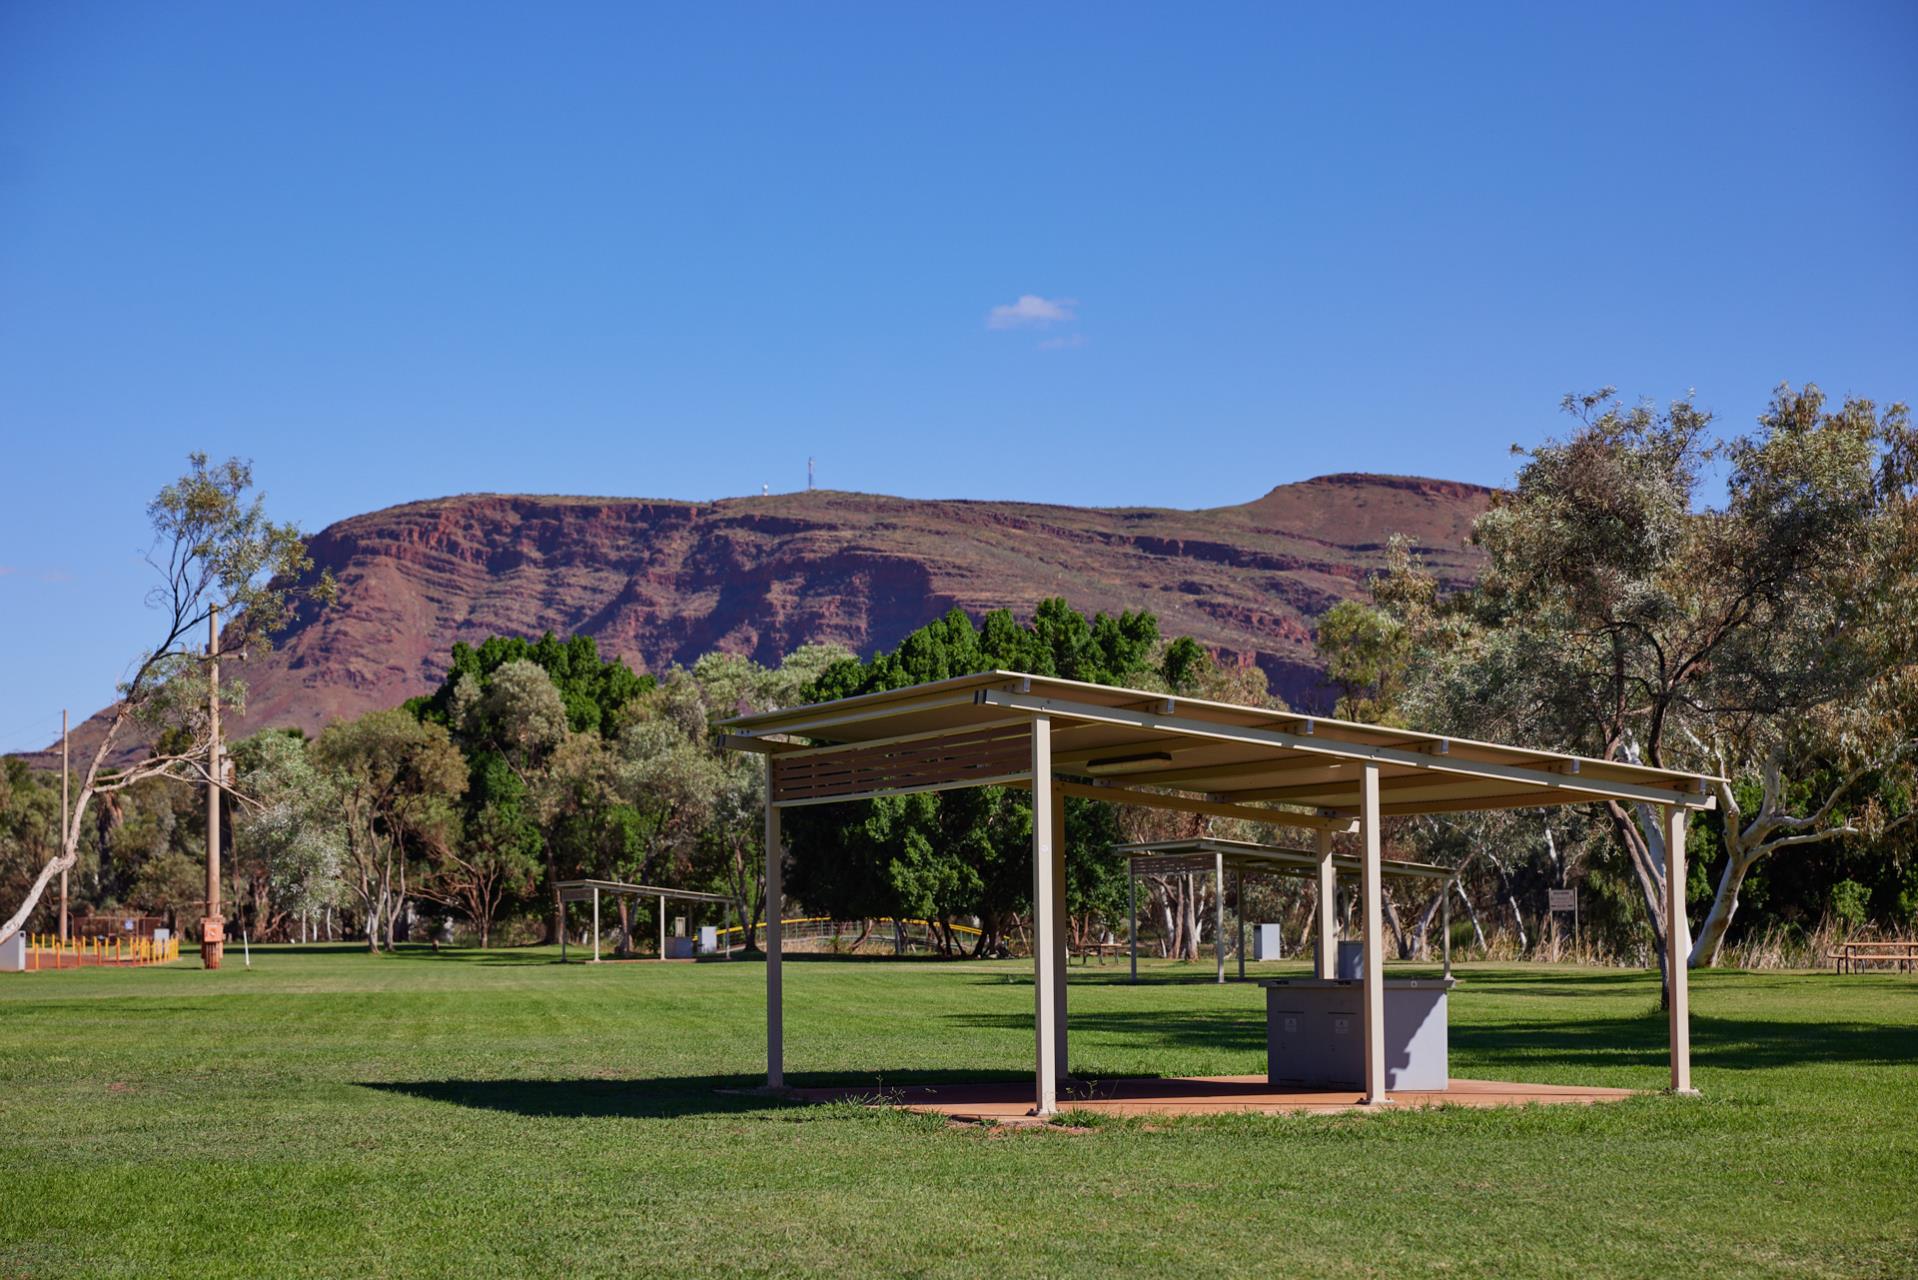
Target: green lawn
column 327, row 1113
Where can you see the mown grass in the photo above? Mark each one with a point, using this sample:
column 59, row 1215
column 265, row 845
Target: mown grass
column 329, row 1113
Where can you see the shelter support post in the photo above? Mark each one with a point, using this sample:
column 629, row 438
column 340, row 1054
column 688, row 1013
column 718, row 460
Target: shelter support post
column 1445, row 924
column 1373, row 883
column 1218, row 913
column 1132, row 916
column 1060, row 924
column 775, row 897
column 662, row 921
column 1678, row 947
column 595, row 925
column 1328, row 909
column 1238, row 913
column 1045, row 958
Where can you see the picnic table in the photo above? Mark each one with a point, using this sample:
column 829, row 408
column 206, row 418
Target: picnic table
column 1098, row 950
column 1846, row 957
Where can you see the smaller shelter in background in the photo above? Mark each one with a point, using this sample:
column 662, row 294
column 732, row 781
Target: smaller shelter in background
column 1203, row 854
column 590, row 891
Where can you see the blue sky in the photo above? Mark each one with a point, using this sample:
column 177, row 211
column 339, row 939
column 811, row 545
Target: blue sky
column 1166, row 255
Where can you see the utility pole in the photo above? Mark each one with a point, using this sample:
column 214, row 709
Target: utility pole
column 809, row 475
column 213, row 925
column 66, row 823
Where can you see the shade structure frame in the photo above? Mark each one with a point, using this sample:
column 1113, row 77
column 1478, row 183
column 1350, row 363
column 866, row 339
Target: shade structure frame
column 590, row 890
column 1217, row 759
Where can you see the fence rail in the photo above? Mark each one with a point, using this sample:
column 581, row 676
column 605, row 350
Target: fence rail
column 47, row 951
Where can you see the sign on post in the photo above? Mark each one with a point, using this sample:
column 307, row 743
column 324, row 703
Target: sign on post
column 1561, row 901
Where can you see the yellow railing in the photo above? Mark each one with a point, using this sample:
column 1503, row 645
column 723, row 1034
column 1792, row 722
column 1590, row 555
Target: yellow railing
column 48, row 951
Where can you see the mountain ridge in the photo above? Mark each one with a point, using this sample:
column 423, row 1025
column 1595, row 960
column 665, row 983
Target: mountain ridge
column 658, row 581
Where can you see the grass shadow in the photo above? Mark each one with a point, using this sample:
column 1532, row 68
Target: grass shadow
column 656, row 1097
column 1738, row 1044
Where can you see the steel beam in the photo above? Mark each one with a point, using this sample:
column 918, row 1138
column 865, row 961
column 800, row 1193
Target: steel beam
column 1374, row 884
column 1044, row 956
column 1678, row 951
column 775, row 896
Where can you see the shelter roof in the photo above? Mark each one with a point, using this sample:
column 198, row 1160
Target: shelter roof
column 969, row 731
column 581, row 890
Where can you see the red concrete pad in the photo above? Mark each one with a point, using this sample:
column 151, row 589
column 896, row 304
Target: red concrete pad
column 1011, row 1102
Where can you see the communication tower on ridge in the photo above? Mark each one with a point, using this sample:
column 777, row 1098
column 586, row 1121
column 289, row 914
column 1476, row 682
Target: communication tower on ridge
column 809, row 475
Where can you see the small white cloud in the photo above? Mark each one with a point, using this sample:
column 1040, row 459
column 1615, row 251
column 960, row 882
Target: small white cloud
column 1031, row 311
column 1064, row 342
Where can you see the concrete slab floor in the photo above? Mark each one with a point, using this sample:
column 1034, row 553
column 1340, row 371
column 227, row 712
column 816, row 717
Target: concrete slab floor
column 1010, row 1102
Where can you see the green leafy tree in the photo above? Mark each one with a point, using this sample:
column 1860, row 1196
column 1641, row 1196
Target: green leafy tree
column 594, row 691
column 214, row 549
column 29, row 827
column 398, row 780
column 1769, row 636
column 512, row 721
column 289, row 843
column 1369, row 649
column 490, row 856
column 968, row 853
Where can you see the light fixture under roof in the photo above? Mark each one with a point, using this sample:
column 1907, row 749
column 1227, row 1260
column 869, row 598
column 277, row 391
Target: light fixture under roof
column 1129, row 764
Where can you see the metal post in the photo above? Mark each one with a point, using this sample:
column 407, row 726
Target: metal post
column 213, row 924
column 1238, row 897
column 1374, row 1003
column 1445, row 924
column 1678, row 947
column 1061, row 1060
column 1328, row 909
column 1132, row 915
column 1044, row 956
column 66, row 826
column 662, row 926
column 1218, row 913
column 775, row 904
column 595, row 924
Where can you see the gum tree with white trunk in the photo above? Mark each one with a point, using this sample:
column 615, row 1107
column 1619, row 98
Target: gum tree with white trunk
column 213, row 549
column 1623, row 616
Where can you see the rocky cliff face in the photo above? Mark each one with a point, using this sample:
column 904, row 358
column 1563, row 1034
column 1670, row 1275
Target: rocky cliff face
column 659, row 582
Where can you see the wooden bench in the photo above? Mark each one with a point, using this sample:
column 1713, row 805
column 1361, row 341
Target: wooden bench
column 1848, row 956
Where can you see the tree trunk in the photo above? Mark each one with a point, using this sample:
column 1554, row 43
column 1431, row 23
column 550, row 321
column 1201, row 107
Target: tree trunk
column 70, row 850
column 1422, row 929
column 1398, row 931
column 1511, row 899
column 1471, row 912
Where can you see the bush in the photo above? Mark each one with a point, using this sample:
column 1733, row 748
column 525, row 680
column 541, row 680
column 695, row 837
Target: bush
column 1850, row 902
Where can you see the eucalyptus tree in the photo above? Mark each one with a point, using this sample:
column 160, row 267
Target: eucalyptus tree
column 1621, row 617
column 397, row 780
column 290, row 844
column 513, row 721
column 213, row 549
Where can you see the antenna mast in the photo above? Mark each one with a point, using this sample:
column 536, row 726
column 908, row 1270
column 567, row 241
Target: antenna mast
column 809, row 475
